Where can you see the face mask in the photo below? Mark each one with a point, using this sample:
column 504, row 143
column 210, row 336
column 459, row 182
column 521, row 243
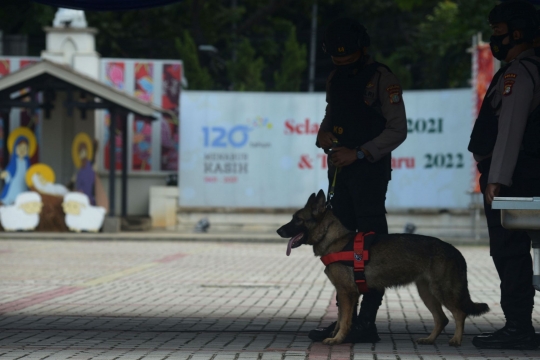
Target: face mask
column 347, row 60
column 498, row 49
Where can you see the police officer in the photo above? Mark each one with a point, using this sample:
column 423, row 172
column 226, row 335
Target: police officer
column 509, row 162
column 365, row 120
column 536, row 41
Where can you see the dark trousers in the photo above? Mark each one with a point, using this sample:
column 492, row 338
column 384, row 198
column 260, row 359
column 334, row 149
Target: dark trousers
column 372, row 300
column 358, row 202
column 510, row 250
column 359, row 196
column 517, row 293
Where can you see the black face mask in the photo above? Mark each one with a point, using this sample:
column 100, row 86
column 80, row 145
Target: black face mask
column 498, row 49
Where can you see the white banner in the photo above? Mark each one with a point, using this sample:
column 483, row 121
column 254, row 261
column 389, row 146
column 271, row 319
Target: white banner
column 258, row 150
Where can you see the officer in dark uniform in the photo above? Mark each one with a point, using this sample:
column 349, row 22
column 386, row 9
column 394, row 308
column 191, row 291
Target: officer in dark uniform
column 536, row 42
column 365, row 120
column 506, row 146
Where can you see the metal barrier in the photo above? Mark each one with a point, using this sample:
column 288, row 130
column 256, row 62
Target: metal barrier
column 523, row 214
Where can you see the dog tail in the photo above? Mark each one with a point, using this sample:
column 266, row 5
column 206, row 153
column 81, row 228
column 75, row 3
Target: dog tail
column 476, row 309
column 468, row 306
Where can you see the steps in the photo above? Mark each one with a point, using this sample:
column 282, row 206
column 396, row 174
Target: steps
column 233, row 222
column 469, row 226
column 136, row 223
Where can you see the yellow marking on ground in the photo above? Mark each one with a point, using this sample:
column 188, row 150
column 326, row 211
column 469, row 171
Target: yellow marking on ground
column 118, row 275
column 200, row 249
column 33, row 247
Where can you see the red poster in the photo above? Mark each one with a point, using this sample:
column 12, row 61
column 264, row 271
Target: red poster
column 172, row 73
column 114, row 77
column 142, row 128
column 118, row 142
column 144, row 83
column 4, row 67
column 24, row 63
column 483, row 71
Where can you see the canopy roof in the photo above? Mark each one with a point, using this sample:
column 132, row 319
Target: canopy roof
column 49, row 76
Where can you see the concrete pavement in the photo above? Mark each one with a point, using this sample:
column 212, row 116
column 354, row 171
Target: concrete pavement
column 71, row 299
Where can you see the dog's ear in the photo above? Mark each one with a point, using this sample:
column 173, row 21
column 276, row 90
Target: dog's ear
column 310, row 200
column 319, row 205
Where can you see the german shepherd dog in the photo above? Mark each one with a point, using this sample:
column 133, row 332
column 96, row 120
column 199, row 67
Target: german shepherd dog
column 438, row 269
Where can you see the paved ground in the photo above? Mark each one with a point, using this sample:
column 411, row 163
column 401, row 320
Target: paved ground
column 189, row 300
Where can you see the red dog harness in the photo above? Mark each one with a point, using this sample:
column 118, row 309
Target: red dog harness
column 355, row 258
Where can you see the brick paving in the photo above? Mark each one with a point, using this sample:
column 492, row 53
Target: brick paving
column 221, row 301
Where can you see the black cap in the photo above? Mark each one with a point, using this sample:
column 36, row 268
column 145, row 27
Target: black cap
column 518, row 15
column 345, row 36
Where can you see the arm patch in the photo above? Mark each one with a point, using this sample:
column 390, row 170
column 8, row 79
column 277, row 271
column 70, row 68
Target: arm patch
column 508, row 84
column 394, row 92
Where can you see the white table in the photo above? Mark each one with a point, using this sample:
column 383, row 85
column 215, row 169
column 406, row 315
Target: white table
column 520, row 213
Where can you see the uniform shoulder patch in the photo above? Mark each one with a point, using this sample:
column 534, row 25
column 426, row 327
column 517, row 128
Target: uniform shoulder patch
column 510, row 76
column 508, row 84
column 394, row 92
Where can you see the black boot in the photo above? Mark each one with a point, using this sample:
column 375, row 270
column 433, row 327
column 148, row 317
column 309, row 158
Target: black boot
column 362, row 331
column 512, row 336
column 365, row 330
column 319, row 334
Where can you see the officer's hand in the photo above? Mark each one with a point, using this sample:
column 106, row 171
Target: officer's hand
column 3, row 174
column 325, row 139
column 342, row 156
column 492, row 190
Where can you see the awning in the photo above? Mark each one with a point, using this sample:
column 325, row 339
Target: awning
column 107, row 5
column 47, row 75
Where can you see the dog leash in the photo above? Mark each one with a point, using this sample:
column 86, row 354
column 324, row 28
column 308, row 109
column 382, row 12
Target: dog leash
column 333, row 186
column 331, row 191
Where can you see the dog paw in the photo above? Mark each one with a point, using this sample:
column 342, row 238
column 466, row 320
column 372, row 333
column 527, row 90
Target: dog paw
column 332, row 341
column 425, row 341
column 454, row 342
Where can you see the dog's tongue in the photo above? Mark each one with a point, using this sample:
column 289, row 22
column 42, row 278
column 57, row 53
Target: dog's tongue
column 293, row 239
